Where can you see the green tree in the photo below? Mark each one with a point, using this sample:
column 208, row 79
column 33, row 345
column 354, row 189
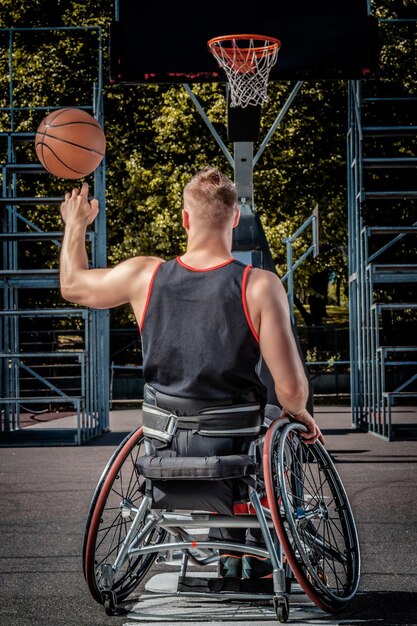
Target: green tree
column 156, row 139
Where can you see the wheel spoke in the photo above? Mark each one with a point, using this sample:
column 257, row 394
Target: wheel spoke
column 108, row 529
column 316, row 527
column 120, row 486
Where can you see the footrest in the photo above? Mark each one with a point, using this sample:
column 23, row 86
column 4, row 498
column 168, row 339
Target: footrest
column 192, row 584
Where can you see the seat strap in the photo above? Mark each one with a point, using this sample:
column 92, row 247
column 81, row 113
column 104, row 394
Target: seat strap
column 237, row 420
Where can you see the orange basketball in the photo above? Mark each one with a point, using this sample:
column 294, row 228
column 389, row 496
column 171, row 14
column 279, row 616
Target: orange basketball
column 70, row 143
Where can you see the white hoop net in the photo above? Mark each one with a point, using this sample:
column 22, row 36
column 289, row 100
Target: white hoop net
column 247, row 68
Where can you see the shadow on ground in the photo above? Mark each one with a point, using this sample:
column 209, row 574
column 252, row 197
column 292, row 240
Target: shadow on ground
column 382, row 607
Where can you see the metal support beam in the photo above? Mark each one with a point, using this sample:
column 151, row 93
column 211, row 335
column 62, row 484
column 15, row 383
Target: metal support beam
column 244, row 175
column 277, row 121
column 209, row 125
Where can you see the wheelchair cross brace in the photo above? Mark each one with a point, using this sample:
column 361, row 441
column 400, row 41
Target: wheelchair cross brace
column 171, row 521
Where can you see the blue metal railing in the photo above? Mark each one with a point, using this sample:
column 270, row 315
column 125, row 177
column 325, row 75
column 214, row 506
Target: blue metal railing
column 91, row 405
column 313, row 249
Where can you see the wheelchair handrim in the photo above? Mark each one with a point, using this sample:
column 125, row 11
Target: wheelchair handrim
column 279, row 526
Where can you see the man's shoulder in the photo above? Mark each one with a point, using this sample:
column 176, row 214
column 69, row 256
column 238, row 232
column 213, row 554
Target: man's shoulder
column 138, row 272
column 264, row 277
column 263, row 283
column 139, row 263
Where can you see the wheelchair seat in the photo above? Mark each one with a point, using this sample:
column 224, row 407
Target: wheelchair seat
column 196, row 468
column 210, row 483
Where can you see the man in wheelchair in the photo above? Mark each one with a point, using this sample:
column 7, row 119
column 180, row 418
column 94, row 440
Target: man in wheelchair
column 205, row 318
column 206, row 321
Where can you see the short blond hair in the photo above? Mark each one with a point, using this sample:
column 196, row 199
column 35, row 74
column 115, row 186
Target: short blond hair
column 211, row 195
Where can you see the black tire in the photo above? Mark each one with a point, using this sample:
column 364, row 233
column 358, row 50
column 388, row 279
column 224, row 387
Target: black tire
column 106, row 528
column 282, row 610
column 312, row 517
column 109, row 606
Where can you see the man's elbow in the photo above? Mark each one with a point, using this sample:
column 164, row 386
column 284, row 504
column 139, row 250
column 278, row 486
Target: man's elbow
column 83, row 298
column 69, row 293
column 294, row 393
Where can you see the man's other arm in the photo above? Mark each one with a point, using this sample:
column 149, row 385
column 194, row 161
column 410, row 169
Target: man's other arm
column 268, row 307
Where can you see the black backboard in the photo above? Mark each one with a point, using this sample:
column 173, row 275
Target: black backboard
column 166, row 41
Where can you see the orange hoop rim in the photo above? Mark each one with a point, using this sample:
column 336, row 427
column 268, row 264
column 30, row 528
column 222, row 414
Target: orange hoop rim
column 275, row 44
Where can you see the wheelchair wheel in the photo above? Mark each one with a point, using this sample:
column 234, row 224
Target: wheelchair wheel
column 312, row 517
column 108, row 522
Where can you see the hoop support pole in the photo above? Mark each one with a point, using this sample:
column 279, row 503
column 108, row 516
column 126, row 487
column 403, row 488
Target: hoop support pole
column 244, row 172
column 277, row 121
column 209, row 125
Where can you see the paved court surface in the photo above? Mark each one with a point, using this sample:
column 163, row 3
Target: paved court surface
column 45, row 493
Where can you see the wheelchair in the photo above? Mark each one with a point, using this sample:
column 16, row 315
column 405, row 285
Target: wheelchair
column 294, row 496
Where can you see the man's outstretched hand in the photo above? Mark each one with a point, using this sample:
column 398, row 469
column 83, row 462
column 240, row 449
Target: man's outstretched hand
column 313, row 432
column 77, row 209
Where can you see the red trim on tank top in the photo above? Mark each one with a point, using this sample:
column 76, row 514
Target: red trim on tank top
column 245, row 305
column 206, row 269
column 148, row 296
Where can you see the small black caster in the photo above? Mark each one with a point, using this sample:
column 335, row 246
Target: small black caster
column 110, row 605
column 282, row 609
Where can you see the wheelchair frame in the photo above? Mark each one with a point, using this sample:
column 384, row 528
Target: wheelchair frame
column 308, row 518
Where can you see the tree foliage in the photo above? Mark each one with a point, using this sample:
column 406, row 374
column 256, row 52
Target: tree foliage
column 156, row 140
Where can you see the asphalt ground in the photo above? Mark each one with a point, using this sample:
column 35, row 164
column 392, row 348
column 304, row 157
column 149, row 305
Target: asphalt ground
column 45, row 494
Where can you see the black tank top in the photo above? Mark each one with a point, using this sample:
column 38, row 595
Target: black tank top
column 197, row 338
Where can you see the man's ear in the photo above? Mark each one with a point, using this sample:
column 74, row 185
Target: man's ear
column 185, row 219
column 236, row 218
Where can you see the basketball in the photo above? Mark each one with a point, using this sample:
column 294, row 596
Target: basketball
column 70, row 143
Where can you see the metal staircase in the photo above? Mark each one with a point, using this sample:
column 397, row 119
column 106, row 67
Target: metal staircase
column 382, row 206
column 53, row 356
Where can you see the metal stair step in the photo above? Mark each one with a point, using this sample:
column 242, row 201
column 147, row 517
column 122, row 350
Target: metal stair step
column 47, row 355
column 19, row 135
column 388, row 364
column 45, row 279
column 397, row 349
column 52, row 366
column 399, row 394
column 394, row 306
column 68, row 384
column 389, row 195
column 381, row 273
column 40, row 236
column 33, row 235
column 390, row 230
column 41, row 400
column 31, row 272
column 389, row 131
column 27, row 168
column 45, row 312
column 31, row 200
column 389, row 99
column 26, row 388
column 386, row 162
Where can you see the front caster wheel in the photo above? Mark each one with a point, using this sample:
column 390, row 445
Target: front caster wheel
column 282, row 609
column 110, row 606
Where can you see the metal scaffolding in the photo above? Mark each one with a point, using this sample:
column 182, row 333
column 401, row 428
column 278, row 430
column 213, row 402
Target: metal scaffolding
column 64, row 361
column 50, row 358
column 382, row 244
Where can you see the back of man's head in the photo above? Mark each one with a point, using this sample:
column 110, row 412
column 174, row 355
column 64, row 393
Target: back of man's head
column 211, row 197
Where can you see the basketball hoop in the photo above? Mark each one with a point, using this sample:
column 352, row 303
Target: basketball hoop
column 247, row 61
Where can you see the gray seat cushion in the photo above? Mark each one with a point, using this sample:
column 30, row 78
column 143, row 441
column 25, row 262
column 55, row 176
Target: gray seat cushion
column 195, row 467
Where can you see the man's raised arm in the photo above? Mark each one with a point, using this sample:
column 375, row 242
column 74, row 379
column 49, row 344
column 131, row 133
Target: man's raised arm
column 96, row 288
